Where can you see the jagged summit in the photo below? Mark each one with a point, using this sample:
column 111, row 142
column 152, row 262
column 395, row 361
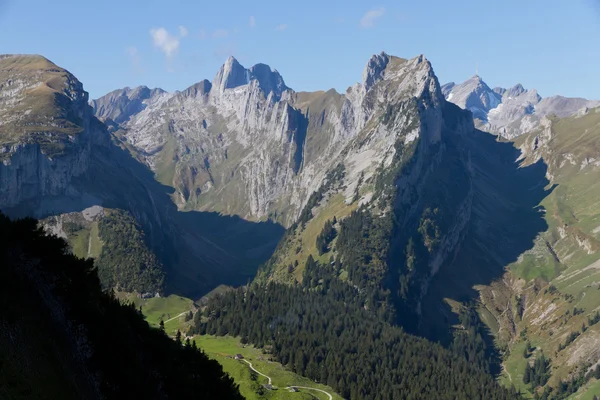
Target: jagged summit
column 232, row 74
column 374, row 69
column 474, row 95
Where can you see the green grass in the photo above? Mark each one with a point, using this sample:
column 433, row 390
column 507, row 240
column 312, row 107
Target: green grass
column 79, row 242
column 588, row 391
column 96, row 244
column 223, row 349
column 165, row 167
column 165, row 308
column 156, row 309
column 514, row 368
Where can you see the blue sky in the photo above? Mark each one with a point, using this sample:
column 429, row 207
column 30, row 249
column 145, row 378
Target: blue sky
column 550, row 45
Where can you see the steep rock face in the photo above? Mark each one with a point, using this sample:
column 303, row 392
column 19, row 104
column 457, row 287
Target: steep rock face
column 510, row 112
column 46, row 129
column 253, row 147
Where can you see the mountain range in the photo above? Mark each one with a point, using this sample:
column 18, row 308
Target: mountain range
column 510, row 112
column 428, row 200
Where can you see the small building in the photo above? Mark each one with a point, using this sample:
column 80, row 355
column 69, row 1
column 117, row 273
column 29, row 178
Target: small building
column 239, row 357
column 293, row 389
column 268, row 386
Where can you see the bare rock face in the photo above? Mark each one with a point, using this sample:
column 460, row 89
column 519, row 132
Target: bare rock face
column 119, row 105
column 510, row 112
column 248, row 145
column 46, row 129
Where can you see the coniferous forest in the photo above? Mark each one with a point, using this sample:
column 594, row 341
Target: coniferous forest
column 326, row 334
column 62, row 337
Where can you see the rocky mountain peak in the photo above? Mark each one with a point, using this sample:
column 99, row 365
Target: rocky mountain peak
column 198, row 89
column 473, row 94
column 268, row 80
column 232, row 74
column 119, row 105
column 374, row 70
column 42, row 93
column 515, row 91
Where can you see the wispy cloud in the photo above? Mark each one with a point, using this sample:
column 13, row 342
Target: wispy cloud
column 164, row 41
column 252, row 22
column 281, row 27
column 370, row 18
column 183, row 31
column 220, row 33
column 135, row 59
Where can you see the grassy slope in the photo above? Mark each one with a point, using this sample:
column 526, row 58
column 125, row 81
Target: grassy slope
column 223, row 349
column 306, row 238
column 572, row 214
column 162, row 308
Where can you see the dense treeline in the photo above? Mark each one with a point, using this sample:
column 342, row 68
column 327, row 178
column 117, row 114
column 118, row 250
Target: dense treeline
column 321, row 329
column 62, row 337
column 126, row 263
column 539, row 373
column 469, row 341
column 566, row 388
column 324, row 238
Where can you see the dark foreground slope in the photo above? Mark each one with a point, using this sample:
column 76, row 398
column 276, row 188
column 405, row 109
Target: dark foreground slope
column 61, row 337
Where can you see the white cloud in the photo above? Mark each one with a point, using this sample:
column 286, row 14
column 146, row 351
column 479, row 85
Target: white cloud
column 368, row 20
column 164, row 41
column 281, row 27
column 183, row 31
column 220, row 33
column 252, row 22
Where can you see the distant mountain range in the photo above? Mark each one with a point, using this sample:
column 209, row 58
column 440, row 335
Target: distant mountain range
column 510, row 112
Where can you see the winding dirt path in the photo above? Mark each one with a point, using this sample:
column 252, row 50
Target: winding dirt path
column 257, row 371
column 311, row 388
column 289, row 387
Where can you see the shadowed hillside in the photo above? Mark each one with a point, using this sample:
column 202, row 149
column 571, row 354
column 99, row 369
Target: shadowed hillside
column 200, row 250
column 505, row 220
column 61, row 337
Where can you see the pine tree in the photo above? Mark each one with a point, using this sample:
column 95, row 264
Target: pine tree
column 178, row 337
column 527, row 374
column 161, row 325
column 189, row 316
